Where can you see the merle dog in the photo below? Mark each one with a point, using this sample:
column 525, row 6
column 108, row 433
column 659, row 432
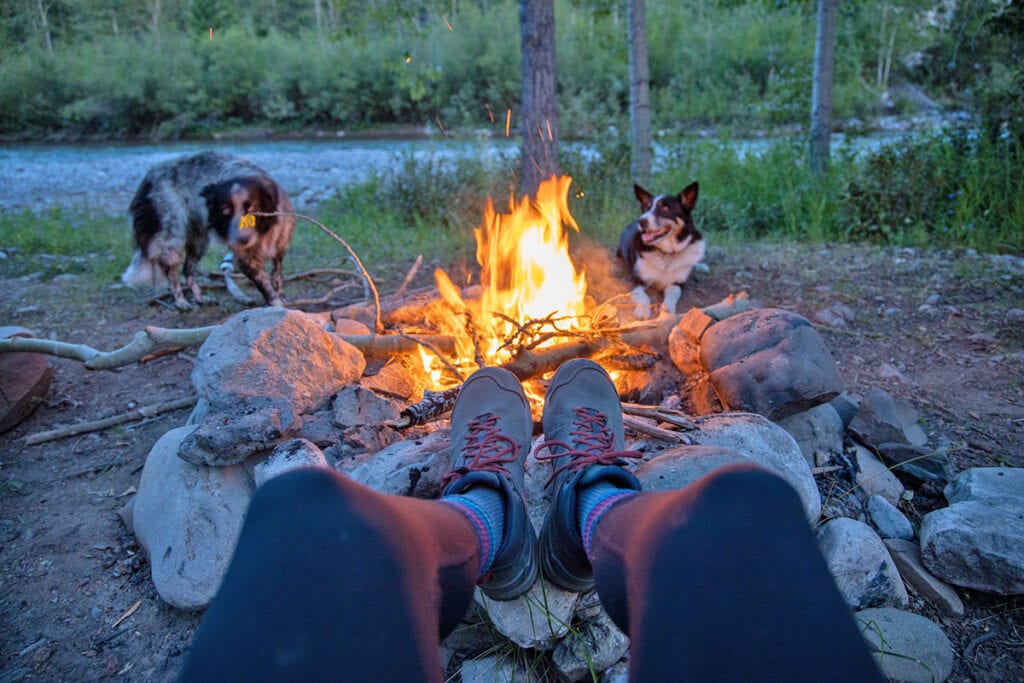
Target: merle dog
column 181, row 202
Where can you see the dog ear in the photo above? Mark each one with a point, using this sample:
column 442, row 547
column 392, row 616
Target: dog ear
column 688, row 197
column 642, row 195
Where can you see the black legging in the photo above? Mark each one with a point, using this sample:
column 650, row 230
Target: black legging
column 719, row 581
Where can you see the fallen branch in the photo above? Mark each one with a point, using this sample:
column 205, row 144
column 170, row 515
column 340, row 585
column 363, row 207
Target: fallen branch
column 96, row 425
column 145, row 342
column 378, row 327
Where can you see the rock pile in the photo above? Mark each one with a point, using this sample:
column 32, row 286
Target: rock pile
column 281, row 389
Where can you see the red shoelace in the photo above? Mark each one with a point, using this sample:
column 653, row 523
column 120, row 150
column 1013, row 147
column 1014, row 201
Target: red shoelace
column 486, row 449
column 595, row 445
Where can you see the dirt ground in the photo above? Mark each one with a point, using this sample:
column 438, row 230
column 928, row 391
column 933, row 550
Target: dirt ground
column 943, row 331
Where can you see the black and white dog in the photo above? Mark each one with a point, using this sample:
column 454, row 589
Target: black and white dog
column 181, row 202
column 661, row 248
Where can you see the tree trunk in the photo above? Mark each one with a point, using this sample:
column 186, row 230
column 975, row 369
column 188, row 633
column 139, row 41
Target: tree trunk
column 540, row 103
column 821, row 86
column 44, row 27
column 639, row 92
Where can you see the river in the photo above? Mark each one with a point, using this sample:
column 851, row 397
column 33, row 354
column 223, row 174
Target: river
column 102, row 178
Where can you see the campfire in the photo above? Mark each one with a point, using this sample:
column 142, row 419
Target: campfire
column 532, row 297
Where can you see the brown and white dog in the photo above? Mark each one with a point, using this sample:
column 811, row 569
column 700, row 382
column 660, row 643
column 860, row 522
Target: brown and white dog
column 181, row 202
column 661, row 247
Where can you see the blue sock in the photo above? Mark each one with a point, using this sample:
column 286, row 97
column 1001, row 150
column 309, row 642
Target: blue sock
column 592, row 502
column 485, row 510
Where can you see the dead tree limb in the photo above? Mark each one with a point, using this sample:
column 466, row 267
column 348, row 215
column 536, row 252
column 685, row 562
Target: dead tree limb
column 145, row 342
column 96, row 425
column 378, row 327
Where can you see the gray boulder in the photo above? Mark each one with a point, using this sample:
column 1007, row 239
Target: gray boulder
column 769, row 361
column 286, row 457
column 678, row 467
column 978, row 541
column 187, row 519
column 888, row 520
column 908, row 647
column 259, row 372
column 818, row 431
column 861, row 565
column 767, row 444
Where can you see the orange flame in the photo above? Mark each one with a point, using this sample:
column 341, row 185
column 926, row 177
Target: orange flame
column 527, row 276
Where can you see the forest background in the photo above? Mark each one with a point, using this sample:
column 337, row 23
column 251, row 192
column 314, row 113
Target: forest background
column 87, row 70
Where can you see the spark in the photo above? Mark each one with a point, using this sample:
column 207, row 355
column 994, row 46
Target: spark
column 508, row 120
column 445, row 20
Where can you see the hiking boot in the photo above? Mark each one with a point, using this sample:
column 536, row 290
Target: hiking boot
column 584, row 437
column 491, row 429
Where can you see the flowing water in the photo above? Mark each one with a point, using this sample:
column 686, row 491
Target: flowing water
column 102, row 178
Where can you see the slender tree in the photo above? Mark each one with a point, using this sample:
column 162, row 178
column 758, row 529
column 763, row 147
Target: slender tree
column 639, row 92
column 821, row 86
column 540, row 102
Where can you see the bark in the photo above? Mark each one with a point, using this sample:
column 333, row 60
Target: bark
column 540, row 100
column 821, row 87
column 639, row 92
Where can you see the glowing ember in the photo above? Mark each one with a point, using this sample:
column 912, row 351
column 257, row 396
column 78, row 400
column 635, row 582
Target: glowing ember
column 531, row 290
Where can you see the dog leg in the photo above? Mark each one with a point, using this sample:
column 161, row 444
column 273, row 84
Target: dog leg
column 671, row 300
column 190, row 280
column 277, row 280
column 641, row 303
column 258, row 276
column 179, row 297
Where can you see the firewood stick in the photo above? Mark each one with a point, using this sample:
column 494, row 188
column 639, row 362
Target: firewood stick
column 653, row 430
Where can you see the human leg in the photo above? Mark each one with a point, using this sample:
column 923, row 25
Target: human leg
column 721, row 580
column 331, row 578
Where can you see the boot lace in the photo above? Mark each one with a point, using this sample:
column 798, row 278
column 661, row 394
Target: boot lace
column 592, row 444
column 486, row 449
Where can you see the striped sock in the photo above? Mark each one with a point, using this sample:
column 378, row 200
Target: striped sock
column 592, row 502
column 485, row 510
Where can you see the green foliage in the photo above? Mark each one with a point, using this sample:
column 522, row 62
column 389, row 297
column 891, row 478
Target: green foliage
column 119, row 70
column 952, row 190
column 55, row 243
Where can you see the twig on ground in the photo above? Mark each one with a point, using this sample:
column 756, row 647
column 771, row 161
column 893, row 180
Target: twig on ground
column 97, row 425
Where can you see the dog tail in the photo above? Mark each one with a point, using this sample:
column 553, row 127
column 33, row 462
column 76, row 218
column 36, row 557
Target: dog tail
column 142, row 271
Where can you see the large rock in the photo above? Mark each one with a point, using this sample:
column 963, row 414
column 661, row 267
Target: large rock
column 24, row 380
column 769, row 361
column 908, row 647
column 407, row 468
column 818, row 431
column 978, row 541
column 861, row 565
column 767, row 444
column 187, row 518
column 890, row 427
column 258, row 373
column 678, row 467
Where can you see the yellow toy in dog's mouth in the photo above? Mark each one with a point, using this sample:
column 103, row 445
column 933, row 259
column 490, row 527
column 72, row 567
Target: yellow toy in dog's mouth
column 247, row 221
